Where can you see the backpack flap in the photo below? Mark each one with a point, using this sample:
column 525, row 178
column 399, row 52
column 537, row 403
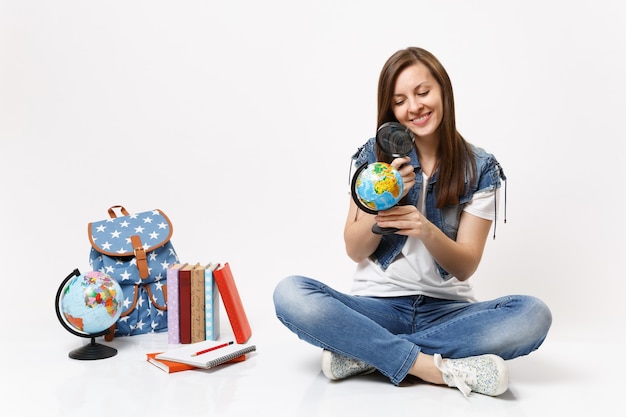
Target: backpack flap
column 133, row 237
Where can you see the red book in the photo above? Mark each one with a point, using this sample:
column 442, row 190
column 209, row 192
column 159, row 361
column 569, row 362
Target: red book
column 184, row 303
column 167, row 366
column 232, row 303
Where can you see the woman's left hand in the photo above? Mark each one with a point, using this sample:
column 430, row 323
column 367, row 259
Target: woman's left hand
column 407, row 219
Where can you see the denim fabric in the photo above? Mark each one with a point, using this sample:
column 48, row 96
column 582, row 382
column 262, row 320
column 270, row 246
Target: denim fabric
column 489, row 176
column 388, row 333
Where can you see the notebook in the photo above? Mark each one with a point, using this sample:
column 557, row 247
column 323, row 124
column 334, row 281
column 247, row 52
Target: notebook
column 206, row 354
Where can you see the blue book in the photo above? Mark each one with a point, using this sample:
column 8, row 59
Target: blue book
column 211, row 304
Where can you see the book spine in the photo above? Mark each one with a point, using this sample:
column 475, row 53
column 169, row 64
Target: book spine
column 173, row 329
column 197, row 304
column 184, row 298
column 212, row 306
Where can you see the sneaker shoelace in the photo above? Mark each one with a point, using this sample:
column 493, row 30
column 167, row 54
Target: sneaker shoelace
column 460, row 376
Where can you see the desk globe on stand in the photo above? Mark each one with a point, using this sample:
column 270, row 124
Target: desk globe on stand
column 87, row 305
column 377, row 187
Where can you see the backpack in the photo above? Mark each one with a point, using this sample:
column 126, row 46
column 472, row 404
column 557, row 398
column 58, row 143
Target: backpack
column 135, row 250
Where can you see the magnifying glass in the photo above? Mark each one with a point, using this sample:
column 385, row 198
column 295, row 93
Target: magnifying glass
column 379, row 186
column 395, row 139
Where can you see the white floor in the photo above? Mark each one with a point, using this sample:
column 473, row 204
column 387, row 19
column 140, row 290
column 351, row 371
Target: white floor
column 283, row 378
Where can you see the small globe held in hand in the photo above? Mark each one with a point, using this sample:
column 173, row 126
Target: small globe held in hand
column 87, row 305
column 377, row 187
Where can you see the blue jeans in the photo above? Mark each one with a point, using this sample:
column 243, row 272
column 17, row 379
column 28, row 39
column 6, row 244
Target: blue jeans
column 389, row 332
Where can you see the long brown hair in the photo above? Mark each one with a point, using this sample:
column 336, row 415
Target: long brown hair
column 456, row 160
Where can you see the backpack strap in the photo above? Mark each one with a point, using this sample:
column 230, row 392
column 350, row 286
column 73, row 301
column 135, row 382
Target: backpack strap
column 111, row 334
column 140, row 256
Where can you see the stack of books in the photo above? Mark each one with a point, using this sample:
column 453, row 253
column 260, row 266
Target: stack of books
column 193, row 305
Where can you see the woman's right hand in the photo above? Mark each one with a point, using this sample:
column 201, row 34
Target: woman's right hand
column 406, row 171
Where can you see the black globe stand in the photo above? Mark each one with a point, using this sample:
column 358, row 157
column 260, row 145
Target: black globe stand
column 91, row 351
column 376, row 229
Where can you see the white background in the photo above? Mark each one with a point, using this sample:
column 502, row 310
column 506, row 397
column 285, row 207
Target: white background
column 238, row 120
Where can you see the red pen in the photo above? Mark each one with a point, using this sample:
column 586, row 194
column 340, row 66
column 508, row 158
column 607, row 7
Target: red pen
column 212, row 348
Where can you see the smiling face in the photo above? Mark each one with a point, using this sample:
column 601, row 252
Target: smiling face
column 417, row 101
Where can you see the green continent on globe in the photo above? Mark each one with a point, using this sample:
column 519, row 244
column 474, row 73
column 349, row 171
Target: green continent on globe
column 378, row 186
column 387, row 179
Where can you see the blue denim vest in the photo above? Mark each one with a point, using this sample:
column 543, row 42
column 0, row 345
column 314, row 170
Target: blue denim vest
column 489, row 176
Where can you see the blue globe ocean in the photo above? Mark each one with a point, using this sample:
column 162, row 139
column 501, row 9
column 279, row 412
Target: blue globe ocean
column 379, row 186
column 91, row 302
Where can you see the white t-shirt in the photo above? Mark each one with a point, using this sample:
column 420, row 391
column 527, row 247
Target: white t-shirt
column 414, row 271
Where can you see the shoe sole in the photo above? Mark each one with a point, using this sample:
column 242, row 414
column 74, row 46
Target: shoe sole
column 326, row 358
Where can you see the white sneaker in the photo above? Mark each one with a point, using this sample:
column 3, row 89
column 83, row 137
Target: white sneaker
column 336, row 366
column 484, row 374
